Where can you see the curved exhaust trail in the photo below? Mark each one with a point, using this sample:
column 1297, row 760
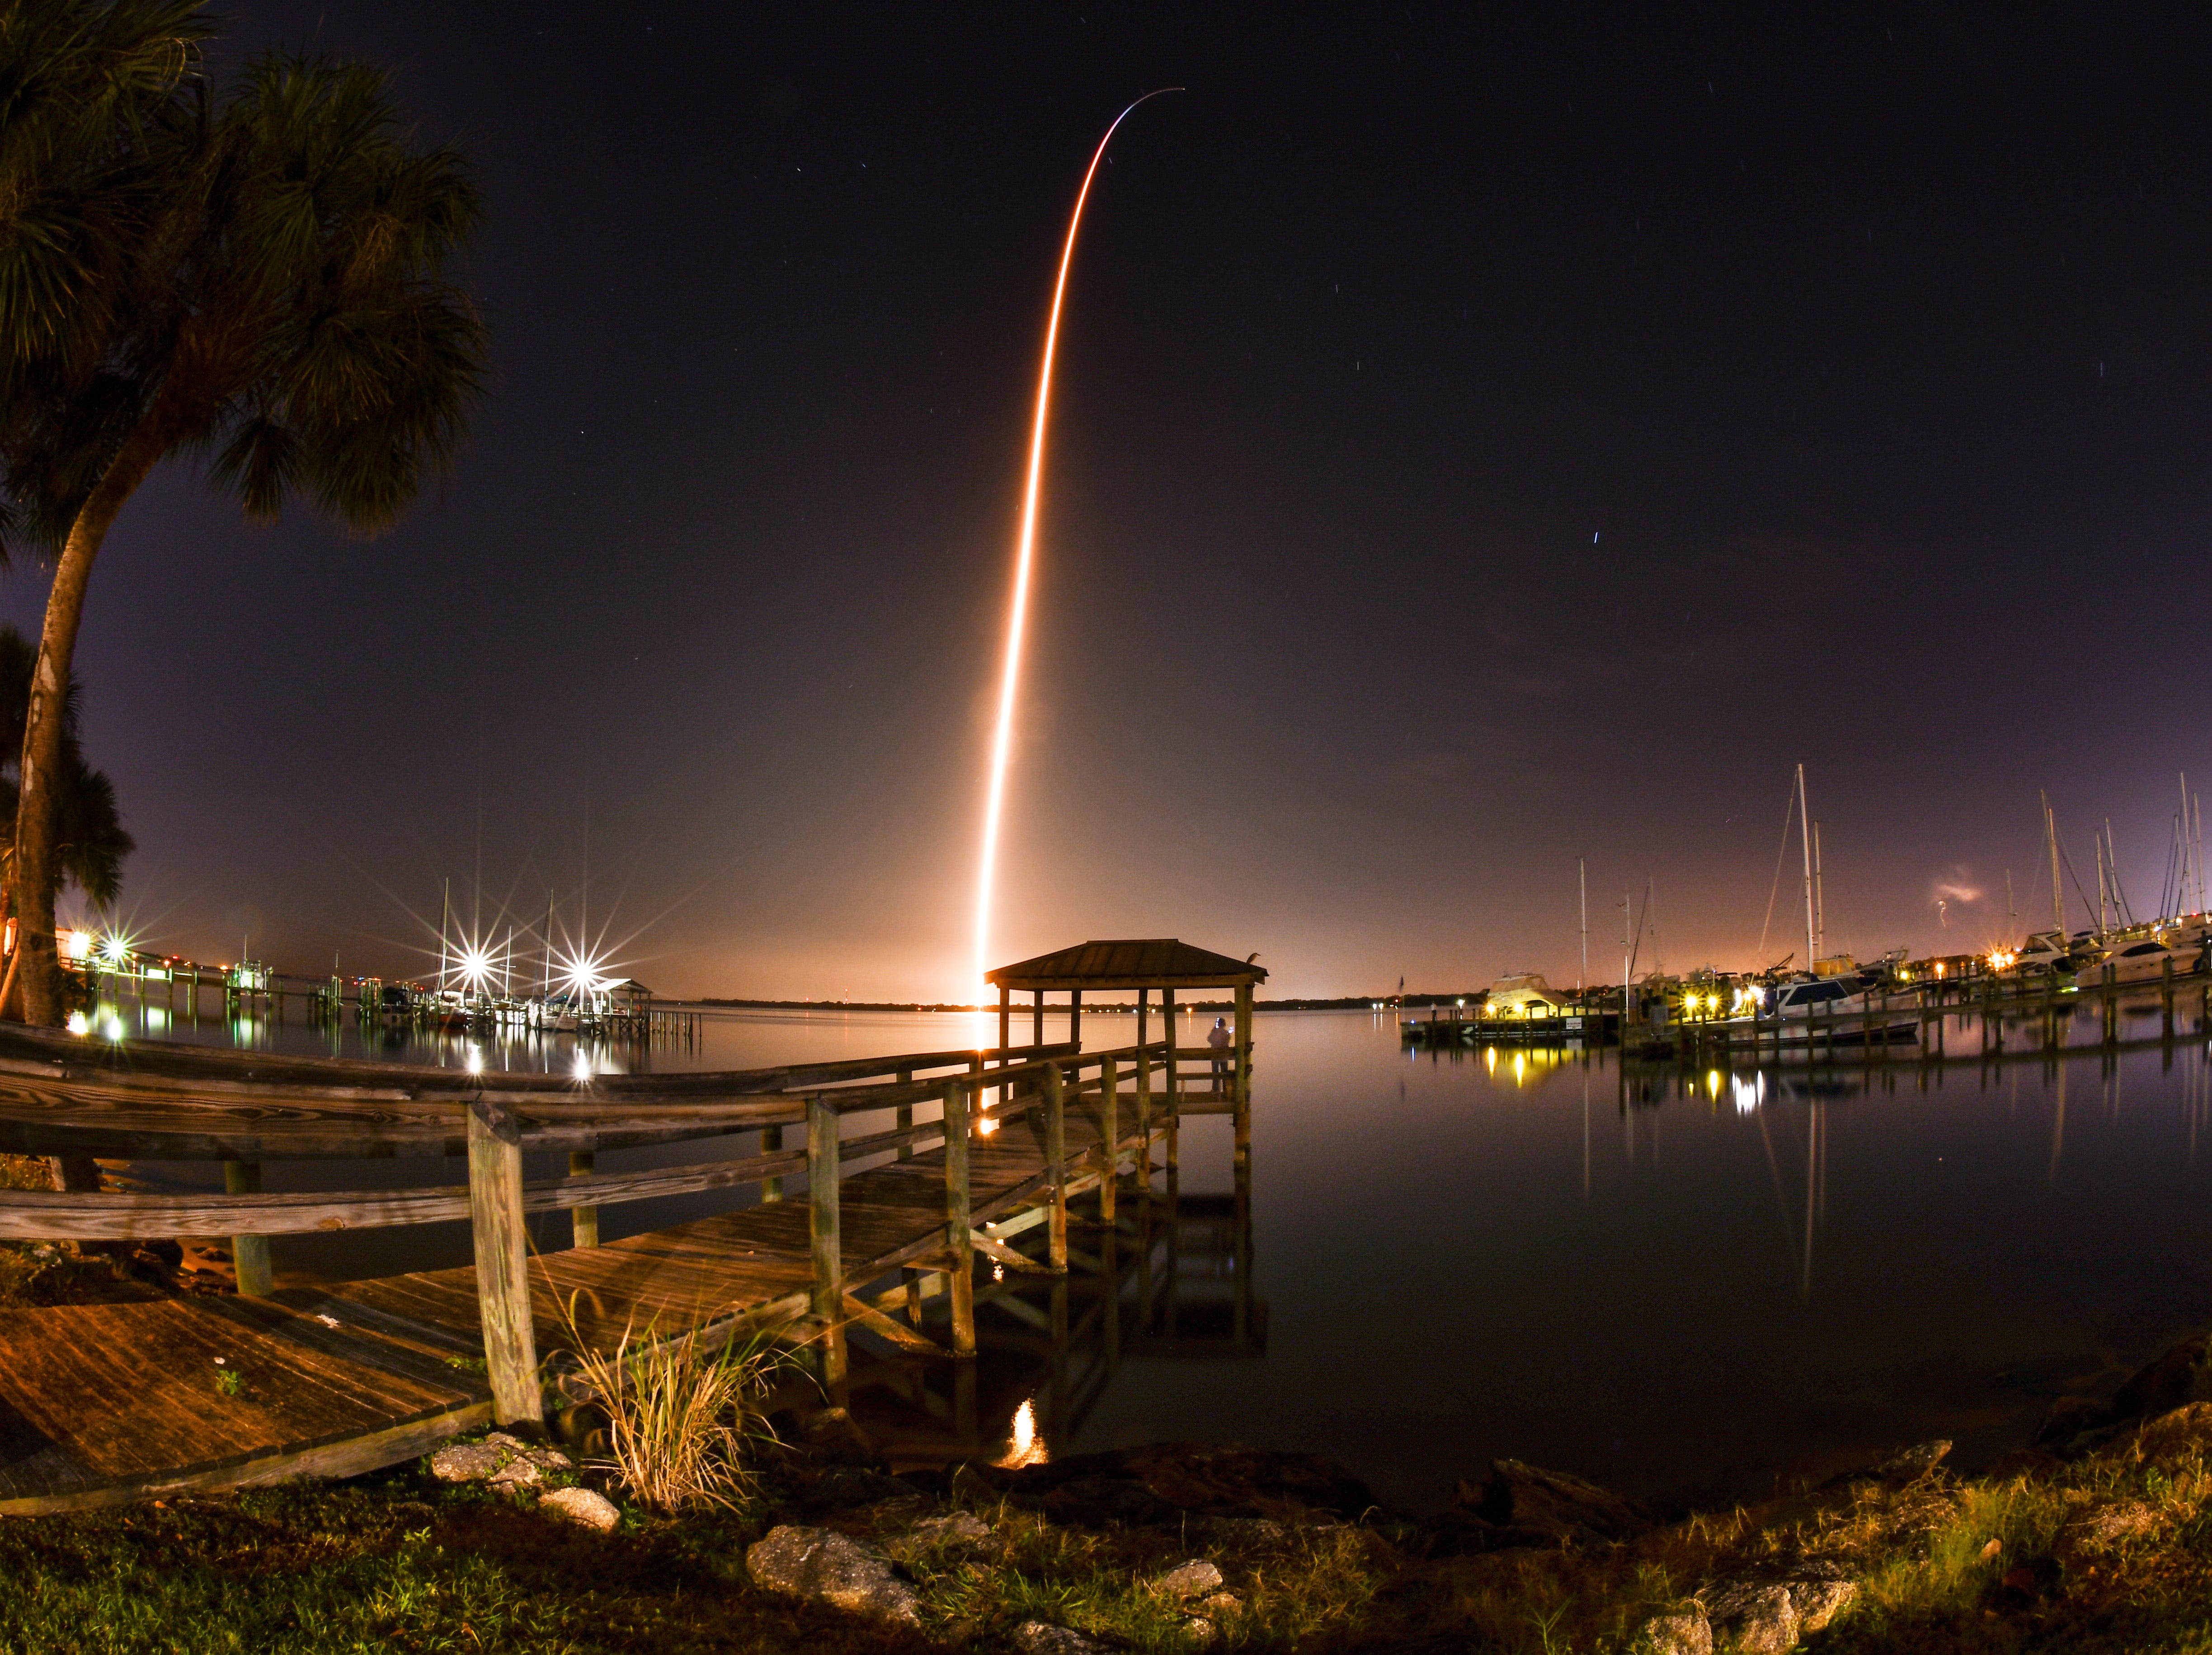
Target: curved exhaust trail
column 1024, row 552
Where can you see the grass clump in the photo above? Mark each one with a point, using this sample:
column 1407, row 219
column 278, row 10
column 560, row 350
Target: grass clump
column 682, row 1416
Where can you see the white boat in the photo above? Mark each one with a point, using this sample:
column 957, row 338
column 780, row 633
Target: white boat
column 2144, row 961
column 1834, row 1010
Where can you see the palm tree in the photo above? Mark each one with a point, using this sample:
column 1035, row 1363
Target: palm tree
column 259, row 280
column 89, row 839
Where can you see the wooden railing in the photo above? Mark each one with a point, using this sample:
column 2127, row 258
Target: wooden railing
column 73, row 1100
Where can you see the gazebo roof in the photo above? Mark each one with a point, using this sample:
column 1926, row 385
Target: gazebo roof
column 1138, row 962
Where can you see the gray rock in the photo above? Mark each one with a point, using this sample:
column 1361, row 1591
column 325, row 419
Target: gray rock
column 1247, row 1533
column 1042, row 1638
column 1758, row 1617
column 499, row 1459
column 1819, row 1601
column 585, row 1506
column 1687, row 1634
column 2103, row 1524
column 1193, row 1579
column 954, row 1531
column 1199, row 1629
column 1915, row 1461
column 1520, row 1504
column 833, row 1569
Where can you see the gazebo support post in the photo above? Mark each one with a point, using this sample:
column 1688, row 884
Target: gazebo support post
column 1109, row 1118
column 1240, row 1082
column 1144, row 1085
column 1170, row 1088
column 1075, row 1018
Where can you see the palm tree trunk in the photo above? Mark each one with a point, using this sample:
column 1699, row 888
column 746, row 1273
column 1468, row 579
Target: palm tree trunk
column 41, row 976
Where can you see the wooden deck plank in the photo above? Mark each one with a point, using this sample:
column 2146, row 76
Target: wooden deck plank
column 105, row 1403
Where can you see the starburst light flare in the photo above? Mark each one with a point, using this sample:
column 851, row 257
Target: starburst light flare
column 994, row 797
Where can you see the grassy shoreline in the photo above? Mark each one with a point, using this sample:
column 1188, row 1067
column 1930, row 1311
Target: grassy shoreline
column 2106, row 1551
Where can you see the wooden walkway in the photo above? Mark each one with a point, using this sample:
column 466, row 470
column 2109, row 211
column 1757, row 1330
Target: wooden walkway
column 99, row 1404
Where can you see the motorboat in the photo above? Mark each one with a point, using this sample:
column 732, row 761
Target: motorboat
column 2146, row 960
column 1844, row 1009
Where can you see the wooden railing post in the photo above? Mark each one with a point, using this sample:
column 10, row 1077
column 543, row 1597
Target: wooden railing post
column 821, row 1232
column 1110, row 1119
column 959, row 1243
column 771, row 1141
column 905, row 1116
column 502, row 1260
column 249, row 1254
column 1055, row 1163
column 582, row 1163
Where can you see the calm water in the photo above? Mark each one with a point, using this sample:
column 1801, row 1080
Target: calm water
column 1728, row 1279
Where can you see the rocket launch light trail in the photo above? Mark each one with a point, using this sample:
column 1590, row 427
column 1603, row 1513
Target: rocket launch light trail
column 1024, row 552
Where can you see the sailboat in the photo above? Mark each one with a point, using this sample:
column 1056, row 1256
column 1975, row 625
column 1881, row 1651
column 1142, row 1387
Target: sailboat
column 1785, row 1011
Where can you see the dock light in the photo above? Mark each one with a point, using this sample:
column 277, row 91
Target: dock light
column 581, row 1072
column 77, row 1025
column 1939, row 967
column 77, row 944
column 475, row 1061
column 476, row 967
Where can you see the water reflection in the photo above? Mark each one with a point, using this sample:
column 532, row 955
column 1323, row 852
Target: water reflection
column 1758, row 1270
column 1169, row 1283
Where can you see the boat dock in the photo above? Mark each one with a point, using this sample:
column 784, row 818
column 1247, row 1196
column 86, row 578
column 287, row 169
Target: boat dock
column 883, row 1185
column 1981, row 1018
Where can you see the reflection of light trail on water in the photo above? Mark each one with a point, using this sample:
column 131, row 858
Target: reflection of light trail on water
column 1023, row 548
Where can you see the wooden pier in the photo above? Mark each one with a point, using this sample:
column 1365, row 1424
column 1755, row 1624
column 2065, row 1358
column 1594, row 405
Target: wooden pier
column 902, row 1175
column 178, row 987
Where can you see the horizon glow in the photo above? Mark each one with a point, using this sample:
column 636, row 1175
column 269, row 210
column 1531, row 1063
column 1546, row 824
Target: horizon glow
column 1025, row 554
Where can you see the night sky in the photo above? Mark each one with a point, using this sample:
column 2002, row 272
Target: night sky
column 1479, row 443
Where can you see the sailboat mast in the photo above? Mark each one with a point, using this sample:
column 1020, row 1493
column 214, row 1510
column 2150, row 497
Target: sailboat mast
column 445, row 918
column 1625, row 962
column 2101, row 925
column 2182, row 843
column 2050, row 832
column 546, row 989
column 1820, row 904
column 1805, row 844
column 1582, row 886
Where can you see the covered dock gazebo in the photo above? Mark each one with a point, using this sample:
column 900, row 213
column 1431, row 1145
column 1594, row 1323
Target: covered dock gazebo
column 1142, row 964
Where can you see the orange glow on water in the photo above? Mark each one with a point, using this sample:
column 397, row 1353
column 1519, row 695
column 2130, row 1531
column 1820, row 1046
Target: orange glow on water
column 1024, row 553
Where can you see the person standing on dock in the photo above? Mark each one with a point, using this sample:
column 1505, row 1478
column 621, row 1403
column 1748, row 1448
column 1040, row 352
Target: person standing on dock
column 1219, row 1038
